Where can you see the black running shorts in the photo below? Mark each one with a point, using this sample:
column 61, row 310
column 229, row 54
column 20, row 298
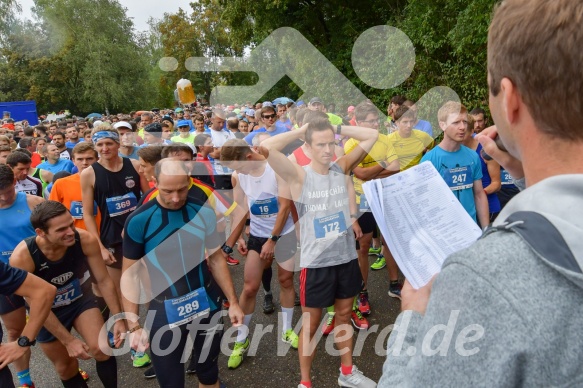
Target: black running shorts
column 320, row 287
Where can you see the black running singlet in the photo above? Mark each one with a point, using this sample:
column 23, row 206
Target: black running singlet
column 69, row 274
column 117, row 195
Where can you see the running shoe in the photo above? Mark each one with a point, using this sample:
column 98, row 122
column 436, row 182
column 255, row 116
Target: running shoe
column 363, row 304
column 290, row 337
column 355, row 380
column 232, row 261
column 150, row 373
column 140, row 359
column 379, row 263
column 84, row 374
column 395, row 289
column 374, row 251
column 236, row 357
column 268, row 306
column 358, row 321
column 328, row 326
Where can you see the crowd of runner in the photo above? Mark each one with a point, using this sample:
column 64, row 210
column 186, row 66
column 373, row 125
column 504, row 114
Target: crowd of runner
column 83, row 201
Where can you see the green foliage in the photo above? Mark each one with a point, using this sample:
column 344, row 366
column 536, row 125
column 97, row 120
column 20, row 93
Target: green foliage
column 80, row 55
column 85, row 55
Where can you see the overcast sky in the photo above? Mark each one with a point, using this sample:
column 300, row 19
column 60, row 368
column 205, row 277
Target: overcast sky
column 139, row 10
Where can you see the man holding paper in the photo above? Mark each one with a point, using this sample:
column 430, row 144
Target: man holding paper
column 330, row 272
column 510, row 304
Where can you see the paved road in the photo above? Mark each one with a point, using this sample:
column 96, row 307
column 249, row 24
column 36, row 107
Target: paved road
column 266, row 368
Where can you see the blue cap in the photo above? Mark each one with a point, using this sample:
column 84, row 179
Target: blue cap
column 183, row 123
column 300, row 103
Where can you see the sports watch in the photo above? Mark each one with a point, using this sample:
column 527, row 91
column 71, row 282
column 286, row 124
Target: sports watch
column 227, row 249
column 24, row 342
column 274, row 238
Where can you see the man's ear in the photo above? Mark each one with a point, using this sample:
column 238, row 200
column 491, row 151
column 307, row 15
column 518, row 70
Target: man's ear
column 442, row 125
column 510, row 100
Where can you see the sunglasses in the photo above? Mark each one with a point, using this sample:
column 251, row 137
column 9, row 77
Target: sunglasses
column 269, row 116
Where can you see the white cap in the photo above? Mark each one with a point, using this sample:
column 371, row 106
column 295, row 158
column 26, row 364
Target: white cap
column 122, row 124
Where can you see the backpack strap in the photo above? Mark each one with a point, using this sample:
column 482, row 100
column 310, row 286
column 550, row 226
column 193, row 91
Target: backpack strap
column 542, row 236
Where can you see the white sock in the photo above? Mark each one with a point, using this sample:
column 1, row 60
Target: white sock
column 243, row 330
column 287, row 313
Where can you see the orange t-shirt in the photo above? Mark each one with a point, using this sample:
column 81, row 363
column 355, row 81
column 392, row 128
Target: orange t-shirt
column 68, row 191
column 36, row 159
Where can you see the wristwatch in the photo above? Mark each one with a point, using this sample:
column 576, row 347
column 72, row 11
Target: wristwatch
column 227, row 249
column 24, row 342
column 274, row 238
column 355, row 216
column 383, row 163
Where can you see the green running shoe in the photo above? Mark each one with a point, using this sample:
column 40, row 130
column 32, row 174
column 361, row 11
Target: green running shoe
column 140, row 360
column 374, row 251
column 291, row 338
column 236, row 357
column 380, row 263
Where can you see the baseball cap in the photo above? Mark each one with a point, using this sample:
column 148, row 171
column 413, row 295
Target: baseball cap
column 178, row 110
column 154, row 129
column 315, row 100
column 267, row 103
column 122, row 124
column 182, row 123
column 220, row 113
column 250, row 112
column 168, row 118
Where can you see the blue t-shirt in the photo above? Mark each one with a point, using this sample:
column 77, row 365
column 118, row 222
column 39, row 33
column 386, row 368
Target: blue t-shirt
column 424, row 126
column 133, row 155
column 61, row 165
column 172, row 243
column 15, row 226
column 286, row 125
column 276, row 131
column 71, row 145
column 459, row 170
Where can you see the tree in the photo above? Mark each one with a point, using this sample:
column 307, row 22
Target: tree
column 202, row 33
column 79, row 54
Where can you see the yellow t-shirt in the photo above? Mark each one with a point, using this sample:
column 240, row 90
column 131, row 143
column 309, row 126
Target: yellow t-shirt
column 186, row 140
column 381, row 150
column 410, row 149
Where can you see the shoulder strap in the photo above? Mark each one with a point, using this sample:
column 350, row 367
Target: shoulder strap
column 33, row 249
column 543, row 237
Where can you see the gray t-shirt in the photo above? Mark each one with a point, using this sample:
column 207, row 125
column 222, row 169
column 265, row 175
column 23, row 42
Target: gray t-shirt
column 327, row 238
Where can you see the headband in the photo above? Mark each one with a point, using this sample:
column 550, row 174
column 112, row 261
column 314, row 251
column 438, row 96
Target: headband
column 104, row 135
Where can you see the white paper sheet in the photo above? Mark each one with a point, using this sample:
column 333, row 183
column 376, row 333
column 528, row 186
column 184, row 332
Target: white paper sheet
column 421, row 220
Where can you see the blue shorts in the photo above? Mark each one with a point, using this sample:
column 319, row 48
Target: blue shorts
column 10, row 303
column 68, row 314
